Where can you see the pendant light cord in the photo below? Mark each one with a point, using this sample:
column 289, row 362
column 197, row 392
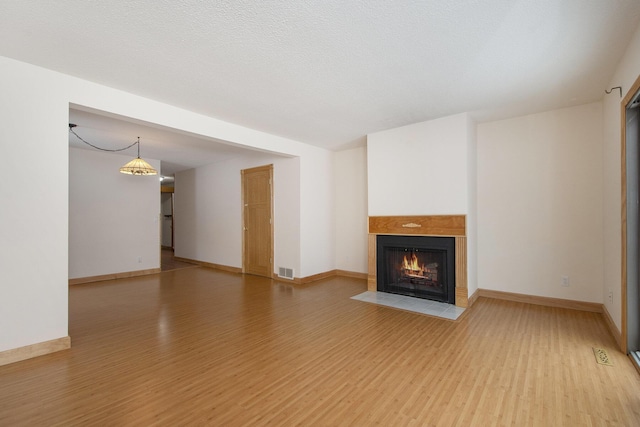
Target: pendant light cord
column 71, row 126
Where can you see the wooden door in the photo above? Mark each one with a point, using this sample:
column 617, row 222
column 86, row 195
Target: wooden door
column 257, row 242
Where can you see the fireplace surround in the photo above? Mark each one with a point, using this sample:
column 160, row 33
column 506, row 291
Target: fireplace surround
column 453, row 226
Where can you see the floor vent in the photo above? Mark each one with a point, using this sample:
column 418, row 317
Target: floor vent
column 285, row 273
column 602, row 357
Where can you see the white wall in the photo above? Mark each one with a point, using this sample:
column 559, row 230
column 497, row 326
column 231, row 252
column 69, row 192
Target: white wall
column 208, row 211
column 317, row 223
column 350, row 188
column 113, row 217
column 626, row 73
column 286, row 212
column 207, row 215
column 540, row 204
column 34, row 213
column 35, row 104
column 472, row 207
column 420, row 169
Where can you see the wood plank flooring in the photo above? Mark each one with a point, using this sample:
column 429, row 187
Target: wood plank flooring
column 201, row 347
column 169, row 262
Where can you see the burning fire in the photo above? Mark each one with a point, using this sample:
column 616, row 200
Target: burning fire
column 412, row 269
column 412, row 266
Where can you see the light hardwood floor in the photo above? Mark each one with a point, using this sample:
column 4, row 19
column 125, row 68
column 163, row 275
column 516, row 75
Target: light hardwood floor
column 202, row 347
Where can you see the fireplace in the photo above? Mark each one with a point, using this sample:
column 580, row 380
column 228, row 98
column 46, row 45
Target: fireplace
column 439, row 226
column 417, row 266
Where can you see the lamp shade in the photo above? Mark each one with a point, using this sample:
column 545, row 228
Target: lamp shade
column 138, row 166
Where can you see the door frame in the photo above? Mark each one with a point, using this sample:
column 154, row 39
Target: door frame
column 623, row 136
column 170, row 190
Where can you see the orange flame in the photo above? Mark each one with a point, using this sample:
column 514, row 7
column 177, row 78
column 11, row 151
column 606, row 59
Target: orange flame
column 413, row 264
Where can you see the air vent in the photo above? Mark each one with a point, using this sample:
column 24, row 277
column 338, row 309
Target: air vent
column 285, row 273
column 602, row 357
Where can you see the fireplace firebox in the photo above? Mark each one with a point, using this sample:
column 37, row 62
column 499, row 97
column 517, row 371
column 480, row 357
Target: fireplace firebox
column 417, row 266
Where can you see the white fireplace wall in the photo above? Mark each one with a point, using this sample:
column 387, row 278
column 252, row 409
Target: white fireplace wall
column 427, row 168
column 421, row 169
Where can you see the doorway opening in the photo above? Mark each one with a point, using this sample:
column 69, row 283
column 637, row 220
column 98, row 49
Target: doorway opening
column 166, row 210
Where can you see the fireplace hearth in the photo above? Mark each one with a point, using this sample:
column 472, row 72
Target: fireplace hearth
column 416, row 266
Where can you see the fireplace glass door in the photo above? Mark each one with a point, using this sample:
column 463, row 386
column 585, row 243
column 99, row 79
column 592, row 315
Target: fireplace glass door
column 417, row 266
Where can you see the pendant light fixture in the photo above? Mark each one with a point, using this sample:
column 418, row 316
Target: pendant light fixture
column 136, row 166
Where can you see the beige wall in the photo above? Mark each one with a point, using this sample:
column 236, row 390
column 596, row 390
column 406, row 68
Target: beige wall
column 350, row 189
column 626, row 73
column 540, row 204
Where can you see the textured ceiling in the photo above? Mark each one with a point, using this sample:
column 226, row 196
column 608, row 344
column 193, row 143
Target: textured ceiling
column 329, row 72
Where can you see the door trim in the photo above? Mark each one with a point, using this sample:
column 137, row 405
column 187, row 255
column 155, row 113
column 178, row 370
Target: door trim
column 623, row 135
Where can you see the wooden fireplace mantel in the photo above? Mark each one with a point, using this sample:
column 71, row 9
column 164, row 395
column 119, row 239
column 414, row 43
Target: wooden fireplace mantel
column 423, row 225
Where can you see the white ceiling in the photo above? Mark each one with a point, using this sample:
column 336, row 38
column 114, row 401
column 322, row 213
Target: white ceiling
column 328, row 72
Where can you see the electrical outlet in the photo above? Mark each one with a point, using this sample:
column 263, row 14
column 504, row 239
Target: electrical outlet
column 139, row 259
column 610, row 297
column 565, row 281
